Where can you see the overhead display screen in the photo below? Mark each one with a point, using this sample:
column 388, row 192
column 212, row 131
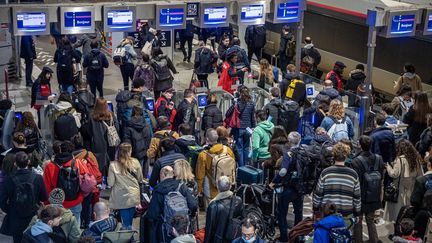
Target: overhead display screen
column 171, row 17
column 402, row 24
column 31, row 22
column 215, row 15
column 250, row 13
column 289, row 12
column 120, row 19
column 429, row 22
column 77, row 20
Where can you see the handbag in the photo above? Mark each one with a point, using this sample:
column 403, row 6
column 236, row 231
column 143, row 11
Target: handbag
column 194, row 83
column 145, row 195
column 391, row 192
column 233, row 121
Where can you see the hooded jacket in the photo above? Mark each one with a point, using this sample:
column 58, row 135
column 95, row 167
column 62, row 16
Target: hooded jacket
column 164, row 77
column 383, row 143
column 138, row 134
column 184, row 239
column 323, row 227
column 320, row 149
column 95, row 75
column 66, row 107
column 310, row 50
column 96, row 228
column 357, row 77
column 204, row 59
column 273, row 109
column 39, row 232
column 183, row 142
column 153, row 151
column 331, row 93
column 212, row 117
column 261, row 136
column 156, row 207
column 85, row 41
column 83, row 101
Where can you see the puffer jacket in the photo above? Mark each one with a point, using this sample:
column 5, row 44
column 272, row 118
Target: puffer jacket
column 247, row 113
column 260, row 139
column 183, row 142
column 331, row 93
column 322, row 227
column 212, row 117
column 204, row 59
column 138, row 134
column 96, row 228
column 162, row 83
column 39, row 232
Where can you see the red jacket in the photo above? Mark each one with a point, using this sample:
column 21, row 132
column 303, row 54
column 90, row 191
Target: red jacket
column 51, row 172
column 336, row 79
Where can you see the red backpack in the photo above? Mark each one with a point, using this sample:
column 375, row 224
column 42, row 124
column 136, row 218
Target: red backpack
column 92, row 167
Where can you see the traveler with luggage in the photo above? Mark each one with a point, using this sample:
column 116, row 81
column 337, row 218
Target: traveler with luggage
column 187, row 35
column 370, row 169
column 167, row 158
column 403, row 170
column 213, row 162
column 187, row 110
column 230, row 73
column 146, row 72
column 65, row 56
column 180, row 224
column 212, row 117
column 170, row 197
column 20, row 198
column 103, row 222
column 163, row 131
column 203, row 65
column 383, row 140
column 95, row 62
column 282, row 112
column 287, row 48
column 186, row 142
column 64, row 172
column 345, row 194
column 49, row 217
column 293, row 88
column 249, row 227
column 41, row 91
column 293, row 187
column 245, row 110
column 28, row 53
column 338, row 125
column 409, row 78
column 223, row 215
column 261, row 136
column 242, row 63
column 415, row 118
column 163, row 66
column 255, row 39
column 328, row 92
column 67, row 120
column 335, row 75
column 126, row 63
column 311, row 57
column 402, row 102
column 320, row 148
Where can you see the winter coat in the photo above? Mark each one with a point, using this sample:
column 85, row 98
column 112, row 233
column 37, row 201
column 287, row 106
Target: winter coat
column 85, row 41
column 12, row 223
column 153, row 151
column 317, row 151
column 52, row 170
column 204, row 60
column 419, row 191
column 204, row 167
column 163, row 84
column 99, row 145
column 310, row 50
column 95, row 75
column 184, row 239
column 138, row 134
column 242, row 57
column 322, row 228
column 183, row 142
column 167, row 158
column 327, row 123
column 146, row 72
column 222, row 51
column 357, row 78
column 217, row 216
column 28, row 49
column 63, row 107
column 156, row 207
column 83, row 102
column 125, row 190
column 36, row 95
column 425, row 141
column 38, row 233
column 130, row 54
column 336, row 79
column 358, row 166
column 383, row 143
column 415, row 128
column 409, row 79
column 185, row 114
column 273, row 108
column 228, row 76
column 88, row 157
column 8, row 165
column 96, row 228
column 247, row 113
column 212, row 117
column 32, row 137
column 283, row 45
column 261, row 136
column 331, row 93
column 400, row 168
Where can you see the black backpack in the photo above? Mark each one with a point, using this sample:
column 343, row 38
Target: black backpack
column 259, row 38
column 289, row 115
column 161, row 68
column 302, row 174
column 371, row 185
column 64, row 60
column 68, row 180
column 24, row 197
column 427, row 197
column 65, row 127
column 95, row 62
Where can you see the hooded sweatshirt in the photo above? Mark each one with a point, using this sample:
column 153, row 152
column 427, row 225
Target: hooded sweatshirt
column 64, row 106
column 260, row 139
column 184, row 239
column 183, row 142
column 322, row 227
column 138, row 134
column 87, row 62
column 39, row 228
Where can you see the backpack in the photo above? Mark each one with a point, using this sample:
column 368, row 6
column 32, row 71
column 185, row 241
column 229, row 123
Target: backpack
column 119, row 56
column 174, row 204
column 294, row 88
column 340, row 235
column 192, row 155
column 259, row 38
column 93, row 168
column 161, row 69
column 145, row 71
column 112, row 135
column 303, row 171
column 95, row 62
column 147, row 48
column 339, row 129
column 371, row 188
column 65, row 126
column 288, row 115
column 24, row 197
column 64, row 61
column 123, row 111
column 427, row 197
column 223, row 165
column 68, row 180
column 291, row 48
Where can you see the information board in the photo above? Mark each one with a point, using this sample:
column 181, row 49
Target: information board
column 77, row 20
column 171, row 17
column 31, row 22
column 215, row 15
column 288, row 11
column 251, row 13
column 428, row 22
column 402, row 24
column 120, row 19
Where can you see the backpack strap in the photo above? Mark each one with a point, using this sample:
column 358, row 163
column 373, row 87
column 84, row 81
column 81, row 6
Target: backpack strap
column 17, row 182
column 364, row 163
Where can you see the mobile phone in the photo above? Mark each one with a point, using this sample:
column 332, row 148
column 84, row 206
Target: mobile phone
column 110, row 106
column 150, row 104
column 19, row 115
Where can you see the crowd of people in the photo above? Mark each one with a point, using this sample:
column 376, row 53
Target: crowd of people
column 167, row 164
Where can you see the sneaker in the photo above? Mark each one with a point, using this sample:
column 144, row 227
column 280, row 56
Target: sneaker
column 184, row 59
column 188, row 60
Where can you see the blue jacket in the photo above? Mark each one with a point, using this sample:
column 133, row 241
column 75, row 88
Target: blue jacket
column 242, row 57
column 327, row 123
column 247, row 113
column 257, row 240
column 383, row 143
column 322, row 228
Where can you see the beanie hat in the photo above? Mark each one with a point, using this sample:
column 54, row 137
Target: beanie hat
column 57, row 196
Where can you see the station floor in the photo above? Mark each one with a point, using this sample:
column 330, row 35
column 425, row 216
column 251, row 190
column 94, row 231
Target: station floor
column 20, row 96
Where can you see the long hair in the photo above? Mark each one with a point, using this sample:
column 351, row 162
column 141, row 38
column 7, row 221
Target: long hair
column 245, row 96
column 336, row 109
column 266, row 70
column 421, row 107
column 405, row 147
column 101, row 111
column 124, row 157
column 27, row 121
column 183, row 170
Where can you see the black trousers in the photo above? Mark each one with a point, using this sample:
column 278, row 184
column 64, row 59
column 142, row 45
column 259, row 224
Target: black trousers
column 86, row 212
column 95, row 83
column 203, row 78
column 28, row 70
column 256, row 51
column 127, row 72
column 183, row 41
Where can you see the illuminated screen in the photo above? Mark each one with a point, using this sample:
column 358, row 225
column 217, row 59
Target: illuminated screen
column 402, row 24
column 171, row 17
column 288, row 11
column 31, row 22
column 202, row 100
column 429, row 22
column 252, row 12
column 120, row 18
column 77, row 20
column 216, row 15
column 150, row 104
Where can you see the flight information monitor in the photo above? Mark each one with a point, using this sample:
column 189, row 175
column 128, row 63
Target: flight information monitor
column 120, row 19
column 402, row 24
column 428, row 22
column 77, row 20
column 171, row 17
column 30, row 21
column 251, row 13
column 288, row 12
column 215, row 15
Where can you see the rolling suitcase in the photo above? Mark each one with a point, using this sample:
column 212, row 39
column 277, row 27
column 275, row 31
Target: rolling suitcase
column 249, row 175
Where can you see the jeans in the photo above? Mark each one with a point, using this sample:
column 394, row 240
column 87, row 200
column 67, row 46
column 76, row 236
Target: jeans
column 372, row 232
column 289, row 196
column 256, row 51
column 203, row 78
column 69, row 88
column 182, row 47
column 28, row 70
column 127, row 216
column 242, row 142
column 127, row 72
column 76, row 211
column 95, row 83
column 86, row 213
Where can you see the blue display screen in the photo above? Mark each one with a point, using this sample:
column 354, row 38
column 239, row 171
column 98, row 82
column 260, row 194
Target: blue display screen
column 402, row 24
column 429, row 22
column 310, row 91
column 18, row 115
column 80, row 20
column 202, row 100
column 216, row 15
column 120, row 19
column 171, row 17
column 31, row 22
column 250, row 13
column 288, row 11
column 150, row 104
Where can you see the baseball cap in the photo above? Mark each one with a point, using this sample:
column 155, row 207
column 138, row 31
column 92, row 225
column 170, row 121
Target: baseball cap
column 340, row 64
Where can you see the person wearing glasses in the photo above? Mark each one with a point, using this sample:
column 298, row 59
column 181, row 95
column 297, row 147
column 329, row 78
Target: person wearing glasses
column 249, row 232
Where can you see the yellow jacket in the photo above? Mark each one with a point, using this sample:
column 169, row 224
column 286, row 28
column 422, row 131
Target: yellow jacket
column 152, row 152
column 204, row 167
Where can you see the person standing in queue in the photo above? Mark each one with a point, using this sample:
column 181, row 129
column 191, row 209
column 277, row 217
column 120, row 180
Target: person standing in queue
column 230, row 74
column 127, row 68
column 255, row 38
column 28, row 53
column 204, row 60
column 287, row 47
column 335, row 75
column 162, row 65
column 64, row 57
column 409, row 78
column 95, row 62
column 242, row 64
column 41, row 91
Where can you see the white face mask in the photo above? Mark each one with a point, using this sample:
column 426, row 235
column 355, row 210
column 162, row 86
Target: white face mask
column 251, row 240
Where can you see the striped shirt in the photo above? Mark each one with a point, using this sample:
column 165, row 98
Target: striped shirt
column 339, row 185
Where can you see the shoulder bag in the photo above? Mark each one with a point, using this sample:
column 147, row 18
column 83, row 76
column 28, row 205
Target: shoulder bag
column 391, row 192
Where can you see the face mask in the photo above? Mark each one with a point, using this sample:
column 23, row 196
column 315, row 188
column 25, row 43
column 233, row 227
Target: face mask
column 251, row 240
